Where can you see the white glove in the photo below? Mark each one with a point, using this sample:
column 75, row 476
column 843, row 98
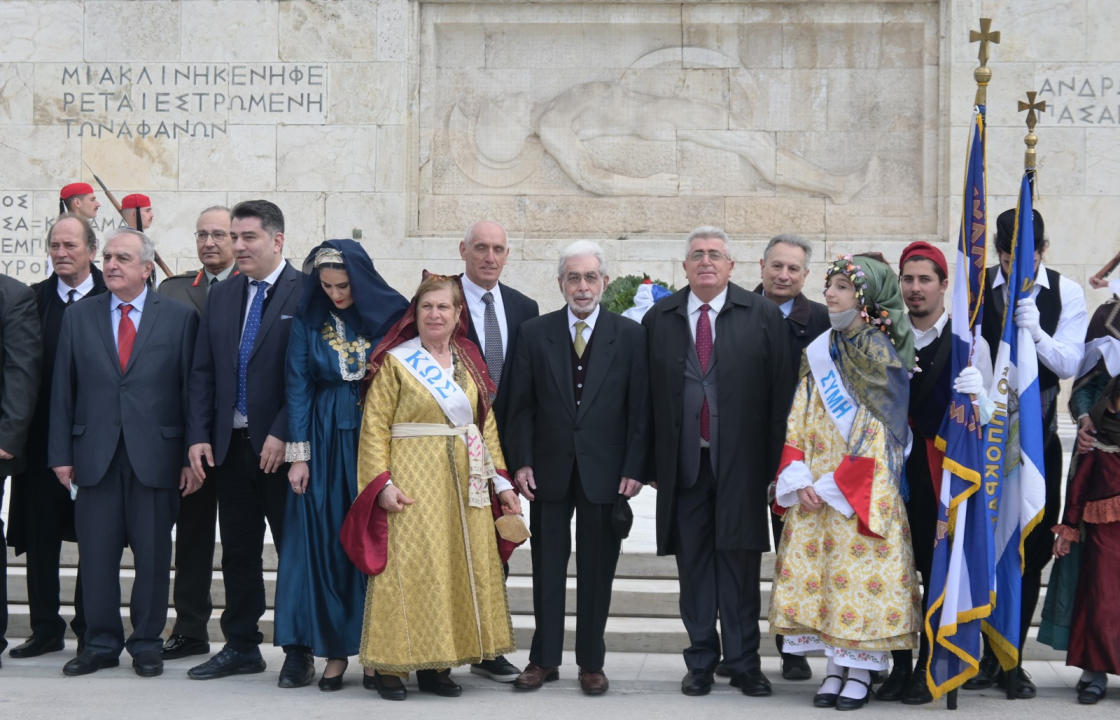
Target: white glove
column 1026, row 316
column 969, row 382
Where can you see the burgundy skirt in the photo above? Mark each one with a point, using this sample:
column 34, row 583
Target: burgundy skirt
column 1094, row 642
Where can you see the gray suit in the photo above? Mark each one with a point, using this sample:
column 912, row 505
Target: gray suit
column 124, row 434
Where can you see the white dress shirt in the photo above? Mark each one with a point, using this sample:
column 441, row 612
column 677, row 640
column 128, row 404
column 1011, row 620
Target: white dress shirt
column 590, row 320
column 1062, row 351
column 981, row 353
column 83, row 289
column 714, row 306
column 472, row 294
column 137, row 304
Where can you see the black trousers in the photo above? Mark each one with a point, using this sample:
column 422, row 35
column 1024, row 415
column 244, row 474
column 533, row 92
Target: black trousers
column 921, row 513
column 117, row 511
column 194, row 560
column 1039, row 543
column 597, row 549
column 723, row 584
column 49, row 521
column 3, row 576
column 247, row 498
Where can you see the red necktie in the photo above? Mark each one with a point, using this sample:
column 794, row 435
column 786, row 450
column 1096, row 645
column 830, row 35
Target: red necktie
column 126, row 335
column 704, row 352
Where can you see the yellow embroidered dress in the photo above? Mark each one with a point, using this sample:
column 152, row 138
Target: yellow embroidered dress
column 836, row 589
column 441, row 600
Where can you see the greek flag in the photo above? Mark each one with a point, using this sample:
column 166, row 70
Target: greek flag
column 1016, row 493
column 960, row 580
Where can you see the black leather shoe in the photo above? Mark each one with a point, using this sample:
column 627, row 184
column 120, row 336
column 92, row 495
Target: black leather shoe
column 848, row 703
column 499, row 669
column 917, row 690
column 696, row 683
column 827, row 700
column 1022, row 686
column 35, row 646
column 895, row 686
column 333, row 683
column 180, row 646
column 89, row 662
column 795, row 667
column 753, row 683
column 148, row 664
column 985, row 676
column 1091, row 693
column 389, row 687
column 228, row 662
column 298, row 669
column 724, row 671
column 438, row 682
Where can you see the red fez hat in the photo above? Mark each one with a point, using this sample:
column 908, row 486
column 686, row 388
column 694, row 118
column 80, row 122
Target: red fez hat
column 922, row 249
column 78, row 188
column 136, row 200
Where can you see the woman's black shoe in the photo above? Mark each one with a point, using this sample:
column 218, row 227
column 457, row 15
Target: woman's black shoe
column 827, row 700
column 331, row 684
column 438, row 682
column 849, row 703
column 389, row 687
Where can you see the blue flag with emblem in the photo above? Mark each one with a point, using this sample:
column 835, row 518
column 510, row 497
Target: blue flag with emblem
column 960, row 580
column 1017, row 495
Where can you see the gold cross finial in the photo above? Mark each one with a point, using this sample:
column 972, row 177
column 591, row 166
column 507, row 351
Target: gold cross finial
column 984, row 36
column 983, row 73
column 1032, row 108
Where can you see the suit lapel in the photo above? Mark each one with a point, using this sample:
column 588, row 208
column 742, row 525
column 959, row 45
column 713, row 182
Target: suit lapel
column 560, row 359
column 148, row 319
column 601, row 354
column 275, row 305
column 105, row 329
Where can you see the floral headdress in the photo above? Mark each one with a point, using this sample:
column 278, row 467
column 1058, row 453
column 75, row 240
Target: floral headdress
column 879, row 299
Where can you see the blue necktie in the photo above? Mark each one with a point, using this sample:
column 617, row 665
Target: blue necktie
column 248, row 337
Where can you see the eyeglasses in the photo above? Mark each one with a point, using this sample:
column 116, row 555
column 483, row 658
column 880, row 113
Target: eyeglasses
column 589, row 277
column 713, row 255
column 218, row 235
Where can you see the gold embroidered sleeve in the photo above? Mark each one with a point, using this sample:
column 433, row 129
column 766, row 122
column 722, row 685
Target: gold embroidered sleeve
column 377, row 420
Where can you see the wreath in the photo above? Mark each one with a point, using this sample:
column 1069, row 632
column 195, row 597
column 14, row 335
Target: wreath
column 619, row 295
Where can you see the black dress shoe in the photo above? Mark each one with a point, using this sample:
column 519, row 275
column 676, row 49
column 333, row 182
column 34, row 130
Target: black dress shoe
column 696, row 683
column 35, row 646
column 895, row 686
column 849, row 703
column 827, row 700
column 917, row 690
column 389, row 687
column 1091, row 693
column 438, row 682
column 499, row 669
column 724, row 671
column 1021, row 685
column 180, row 646
column 148, row 664
column 89, row 662
column 753, row 683
column 228, row 662
column 985, row 676
column 298, row 669
column 795, row 667
column 333, row 683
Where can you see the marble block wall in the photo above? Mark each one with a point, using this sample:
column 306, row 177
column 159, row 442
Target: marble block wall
column 621, row 121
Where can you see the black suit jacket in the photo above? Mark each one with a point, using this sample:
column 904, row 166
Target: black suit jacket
column 606, row 436
column 518, row 309
column 752, row 374
column 214, row 370
column 93, row 402
column 21, row 350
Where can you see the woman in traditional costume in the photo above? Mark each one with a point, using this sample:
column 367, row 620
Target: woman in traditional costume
column 1092, row 517
column 345, row 309
column 844, row 579
column 432, row 481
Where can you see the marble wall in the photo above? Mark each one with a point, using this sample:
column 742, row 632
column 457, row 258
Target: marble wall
column 626, row 122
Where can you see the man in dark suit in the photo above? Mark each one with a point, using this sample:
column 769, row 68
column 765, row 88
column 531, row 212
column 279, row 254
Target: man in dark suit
column 497, row 311
column 785, row 267
column 579, row 412
column 194, row 528
column 41, row 512
column 238, row 425
column 118, row 411
column 21, row 350
column 719, row 368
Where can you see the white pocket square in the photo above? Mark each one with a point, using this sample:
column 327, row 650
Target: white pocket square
column 286, row 317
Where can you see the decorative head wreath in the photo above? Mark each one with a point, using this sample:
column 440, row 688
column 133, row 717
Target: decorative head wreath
column 328, row 256
column 869, row 309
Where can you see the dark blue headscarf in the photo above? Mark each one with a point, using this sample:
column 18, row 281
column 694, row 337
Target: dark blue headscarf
column 376, row 305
